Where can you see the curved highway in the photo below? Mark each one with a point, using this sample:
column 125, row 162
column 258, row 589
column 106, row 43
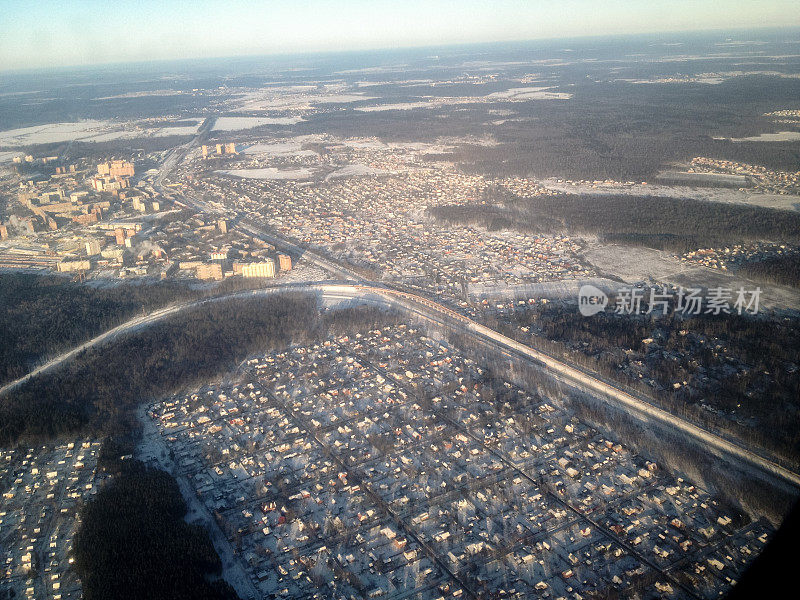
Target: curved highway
column 258, row 231
column 437, row 314
column 174, row 158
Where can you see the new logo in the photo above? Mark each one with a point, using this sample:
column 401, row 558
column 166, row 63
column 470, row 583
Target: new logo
column 591, row 300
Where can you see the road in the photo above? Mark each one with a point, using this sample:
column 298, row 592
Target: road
column 258, row 231
column 356, row 288
column 176, row 155
column 435, row 313
column 627, row 399
column 174, row 158
column 153, row 450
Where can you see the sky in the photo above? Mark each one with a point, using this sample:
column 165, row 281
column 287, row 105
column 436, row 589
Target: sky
column 52, row 33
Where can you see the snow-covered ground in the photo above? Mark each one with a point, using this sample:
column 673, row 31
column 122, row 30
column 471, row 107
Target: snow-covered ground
column 87, row 131
column 270, row 173
column 153, row 449
column 512, row 95
column 143, row 94
column 400, row 106
column 546, row 289
column 239, row 123
column 53, row 132
column 288, row 148
column 7, row 157
column 529, row 93
column 339, row 98
column 782, row 136
column 725, row 195
column 634, row 264
column 295, row 97
column 356, row 170
column 304, row 272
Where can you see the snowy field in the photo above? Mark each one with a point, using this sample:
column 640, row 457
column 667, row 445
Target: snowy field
column 339, row 98
column 635, row 264
column 529, row 93
column 239, row 123
column 269, row 173
column 546, row 289
column 7, row 157
column 289, row 148
column 400, row 106
column 724, row 195
column 295, row 97
column 86, row 131
column 144, row 94
column 525, row 94
column 782, row 136
column 356, row 170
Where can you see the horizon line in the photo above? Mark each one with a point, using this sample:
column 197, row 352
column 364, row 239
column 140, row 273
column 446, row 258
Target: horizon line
column 377, row 49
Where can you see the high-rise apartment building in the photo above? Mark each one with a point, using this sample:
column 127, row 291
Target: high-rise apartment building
column 265, row 268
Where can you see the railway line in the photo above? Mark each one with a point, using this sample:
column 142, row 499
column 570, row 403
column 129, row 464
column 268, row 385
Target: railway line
column 356, row 287
column 437, row 314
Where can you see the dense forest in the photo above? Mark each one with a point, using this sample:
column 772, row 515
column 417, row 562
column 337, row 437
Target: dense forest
column 735, row 374
column 632, row 132
column 607, row 154
column 783, row 270
column 133, row 542
column 675, row 224
column 43, row 314
column 96, row 390
column 609, row 129
column 357, row 319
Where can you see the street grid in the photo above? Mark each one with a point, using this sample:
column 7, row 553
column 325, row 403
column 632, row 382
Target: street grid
column 389, row 464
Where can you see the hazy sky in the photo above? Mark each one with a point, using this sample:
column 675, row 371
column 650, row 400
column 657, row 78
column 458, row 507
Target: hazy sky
column 69, row 32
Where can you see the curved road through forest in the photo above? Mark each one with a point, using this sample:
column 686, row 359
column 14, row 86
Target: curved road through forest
column 436, row 314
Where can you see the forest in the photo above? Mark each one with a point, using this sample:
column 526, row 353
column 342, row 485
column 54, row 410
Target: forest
column 609, row 129
column 134, row 543
column 736, row 374
column 674, row 224
column 783, row 270
column 43, row 314
column 630, row 132
column 96, row 390
column 598, row 152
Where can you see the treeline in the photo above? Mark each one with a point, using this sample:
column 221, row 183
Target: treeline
column 43, row 314
column 783, row 270
column 133, row 543
column 591, row 155
column 96, row 390
column 676, row 224
column 631, row 132
column 737, row 374
column 358, row 319
column 670, row 242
